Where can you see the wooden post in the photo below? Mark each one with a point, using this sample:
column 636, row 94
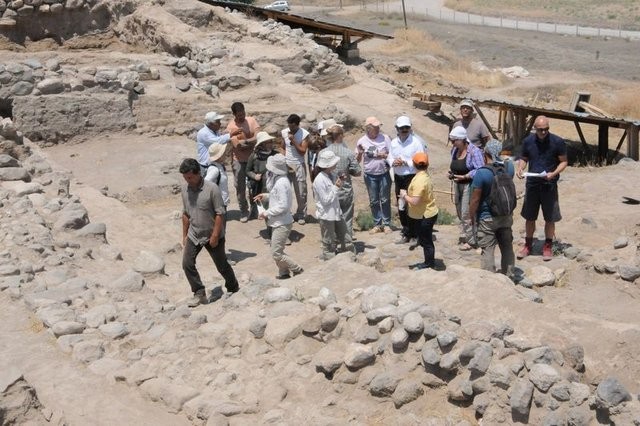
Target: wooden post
column 585, row 147
column 486, row 123
column 603, row 142
column 632, row 141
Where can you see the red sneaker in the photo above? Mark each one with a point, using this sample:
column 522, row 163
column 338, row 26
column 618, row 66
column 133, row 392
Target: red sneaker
column 547, row 252
column 526, row 251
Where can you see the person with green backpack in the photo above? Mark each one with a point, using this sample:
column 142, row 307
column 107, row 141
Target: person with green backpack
column 493, row 199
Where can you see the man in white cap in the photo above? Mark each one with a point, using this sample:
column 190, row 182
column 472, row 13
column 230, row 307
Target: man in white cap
column 403, row 147
column 207, row 136
column 477, row 132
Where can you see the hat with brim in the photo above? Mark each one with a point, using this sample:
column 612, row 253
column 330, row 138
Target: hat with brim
column 467, row 103
column 263, row 137
column 327, row 159
column 372, row 121
column 216, row 151
column 458, row 133
column 212, row 116
column 277, row 164
column 325, row 125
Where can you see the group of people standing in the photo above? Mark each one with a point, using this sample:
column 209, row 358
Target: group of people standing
column 274, row 170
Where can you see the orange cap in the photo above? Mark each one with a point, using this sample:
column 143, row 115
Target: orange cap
column 420, row 158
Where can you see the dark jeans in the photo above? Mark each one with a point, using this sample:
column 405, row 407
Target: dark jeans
column 423, row 228
column 219, row 257
column 402, row 182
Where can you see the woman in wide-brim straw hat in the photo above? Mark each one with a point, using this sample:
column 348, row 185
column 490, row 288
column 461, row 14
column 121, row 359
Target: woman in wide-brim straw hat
column 422, row 209
column 325, row 190
column 257, row 166
column 216, row 171
column 278, row 215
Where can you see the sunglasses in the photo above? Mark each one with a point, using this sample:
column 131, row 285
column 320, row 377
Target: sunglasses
column 542, row 129
column 404, row 129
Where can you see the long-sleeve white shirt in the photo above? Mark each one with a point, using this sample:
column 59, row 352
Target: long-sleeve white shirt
column 405, row 151
column 280, row 199
column 326, row 196
column 204, row 139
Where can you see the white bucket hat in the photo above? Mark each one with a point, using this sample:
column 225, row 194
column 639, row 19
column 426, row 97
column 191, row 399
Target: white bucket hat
column 277, row 164
column 216, row 150
column 458, row 133
column 263, row 137
column 325, row 125
column 212, row 116
column 327, row 159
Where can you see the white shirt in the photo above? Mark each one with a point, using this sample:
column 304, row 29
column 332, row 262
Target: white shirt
column 280, row 199
column 291, row 153
column 215, row 170
column 204, row 139
column 405, row 151
column 326, row 196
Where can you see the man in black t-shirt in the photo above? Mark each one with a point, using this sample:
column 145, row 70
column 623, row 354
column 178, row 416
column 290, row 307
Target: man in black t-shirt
column 546, row 155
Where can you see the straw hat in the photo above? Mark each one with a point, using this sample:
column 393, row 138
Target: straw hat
column 216, row 150
column 263, row 137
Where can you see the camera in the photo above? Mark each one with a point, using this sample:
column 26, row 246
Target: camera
column 450, row 175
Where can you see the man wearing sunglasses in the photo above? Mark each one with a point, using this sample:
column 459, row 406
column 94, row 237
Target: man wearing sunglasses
column 403, row 147
column 546, row 155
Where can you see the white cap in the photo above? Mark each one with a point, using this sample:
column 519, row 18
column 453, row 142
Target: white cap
column 458, row 133
column 210, row 117
column 403, row 121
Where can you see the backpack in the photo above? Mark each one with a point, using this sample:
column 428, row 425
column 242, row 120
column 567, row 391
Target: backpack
column 502, row 198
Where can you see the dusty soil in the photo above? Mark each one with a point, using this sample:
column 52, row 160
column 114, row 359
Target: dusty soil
column 599, row 311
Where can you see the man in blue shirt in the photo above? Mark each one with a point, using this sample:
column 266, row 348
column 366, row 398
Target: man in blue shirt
column 546, row 154
column 491, row 230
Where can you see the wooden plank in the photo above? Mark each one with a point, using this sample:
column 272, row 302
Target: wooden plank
column 577, row 97
column 486, row 123
column 615, row 154
column 585, row 147
column 433, row 106
column 593, row 110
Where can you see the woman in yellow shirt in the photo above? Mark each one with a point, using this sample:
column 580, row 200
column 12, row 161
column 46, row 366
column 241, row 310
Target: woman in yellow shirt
column 423, row 211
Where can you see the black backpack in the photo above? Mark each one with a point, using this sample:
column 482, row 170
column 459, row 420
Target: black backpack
column 502, row 198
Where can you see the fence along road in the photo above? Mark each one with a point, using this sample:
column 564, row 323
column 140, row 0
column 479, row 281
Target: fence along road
column 434, row 9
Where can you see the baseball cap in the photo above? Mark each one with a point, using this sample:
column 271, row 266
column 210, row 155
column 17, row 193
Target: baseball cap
column 403, row 121
column 420, row 159
column 467, row 102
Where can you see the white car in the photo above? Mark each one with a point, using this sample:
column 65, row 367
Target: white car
column 279, row 5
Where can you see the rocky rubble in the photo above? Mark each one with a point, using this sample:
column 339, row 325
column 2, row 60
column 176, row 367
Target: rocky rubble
column 254, row 356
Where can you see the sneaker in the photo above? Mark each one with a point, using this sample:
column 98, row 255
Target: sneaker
column 244, row 218
column 216, row 294
column 298, row 272
column 403, row 240
column 419, row 266
column 547, row 252
column 284, row 276
column 376, row 230
column 301, row 222
column 524, row 252
column 414, row 246
column 388, row 229
column 198, row 299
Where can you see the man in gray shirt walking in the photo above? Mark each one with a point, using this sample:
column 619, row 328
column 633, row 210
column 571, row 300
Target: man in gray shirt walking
column 203, row 226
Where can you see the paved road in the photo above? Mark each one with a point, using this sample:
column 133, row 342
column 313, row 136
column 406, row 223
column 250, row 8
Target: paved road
column 435, row 9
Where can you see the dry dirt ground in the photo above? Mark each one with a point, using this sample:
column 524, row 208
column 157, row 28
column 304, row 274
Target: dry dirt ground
column 599, row 311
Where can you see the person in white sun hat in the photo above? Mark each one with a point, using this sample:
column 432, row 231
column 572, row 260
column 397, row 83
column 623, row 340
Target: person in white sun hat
column 325, row 190
column 278, row 215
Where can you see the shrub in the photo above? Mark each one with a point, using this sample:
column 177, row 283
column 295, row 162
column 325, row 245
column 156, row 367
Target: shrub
column 364, row 220
column 445, row 218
